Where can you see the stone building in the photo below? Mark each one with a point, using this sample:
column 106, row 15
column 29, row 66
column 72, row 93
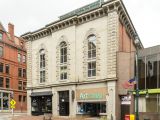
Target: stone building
column 76, row 65
column 12, row 70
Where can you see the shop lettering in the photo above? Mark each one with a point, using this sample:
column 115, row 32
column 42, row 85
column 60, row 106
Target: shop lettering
column 84, row 96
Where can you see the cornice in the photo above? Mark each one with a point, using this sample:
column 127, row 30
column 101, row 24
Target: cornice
column 103, row 10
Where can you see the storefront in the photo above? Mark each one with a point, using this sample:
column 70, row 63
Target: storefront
column 91, row 102
column 4, row 101
column 41, row 102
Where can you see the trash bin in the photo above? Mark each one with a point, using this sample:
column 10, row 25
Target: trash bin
column 127, row 117
column 132, row 117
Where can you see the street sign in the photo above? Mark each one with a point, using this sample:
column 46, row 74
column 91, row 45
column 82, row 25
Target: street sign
column 12, row 106
column 12, row 102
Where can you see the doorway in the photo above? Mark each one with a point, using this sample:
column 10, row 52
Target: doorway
column 64, row 103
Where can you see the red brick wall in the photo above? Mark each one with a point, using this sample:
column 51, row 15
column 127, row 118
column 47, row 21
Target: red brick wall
column 10, row 55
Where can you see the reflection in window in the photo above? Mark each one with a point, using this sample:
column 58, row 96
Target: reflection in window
column 5, row 101
column 7, row 69
column 91, row 55
column 42, row 65
column 63, row 61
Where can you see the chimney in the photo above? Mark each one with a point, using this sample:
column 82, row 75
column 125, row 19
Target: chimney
column 11, row 31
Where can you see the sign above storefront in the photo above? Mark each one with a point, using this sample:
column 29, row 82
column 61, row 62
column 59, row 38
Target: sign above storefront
column 91, row 94
column 85, row 96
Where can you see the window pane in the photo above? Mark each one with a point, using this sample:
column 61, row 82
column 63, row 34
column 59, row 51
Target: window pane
column 1, row 51
column 19, row 57
column 89, row 54
column 7, row 83
column 1, row 67
column 89, row 66
column 94, row 72
column 93, row 53
column 65, row 58
column 0, row 36
column 151, row 74
column 20, row 85
column 7, row 69
column 1, row 82
column 94, row 65
column 89, row 73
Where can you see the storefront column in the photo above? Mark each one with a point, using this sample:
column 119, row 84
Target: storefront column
column 55, row 103
column 72, row 105
column 111, row 100
column 29, row 108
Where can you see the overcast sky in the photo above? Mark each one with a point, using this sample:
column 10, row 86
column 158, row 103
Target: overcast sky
column 29, row 15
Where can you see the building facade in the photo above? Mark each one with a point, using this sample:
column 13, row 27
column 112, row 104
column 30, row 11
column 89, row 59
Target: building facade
column 12, row 70
column 149, row 83
column 76, row 65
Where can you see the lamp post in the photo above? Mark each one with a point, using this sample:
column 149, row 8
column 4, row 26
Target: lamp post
column 137, row 80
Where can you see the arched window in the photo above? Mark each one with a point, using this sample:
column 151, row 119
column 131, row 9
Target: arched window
column 63, row 61
column 91, row 56
column 42, row 65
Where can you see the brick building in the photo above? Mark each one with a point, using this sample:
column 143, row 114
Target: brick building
column 12, row 70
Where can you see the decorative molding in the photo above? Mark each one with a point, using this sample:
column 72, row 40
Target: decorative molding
column 85, row 53
column 42, row 46
column 61, row 39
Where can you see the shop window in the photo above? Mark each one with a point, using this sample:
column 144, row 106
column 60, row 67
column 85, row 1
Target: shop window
column 24, row 73
column 91, row 56
column 7, row 83
column 20, row 98
column 1, row 81
column 63, row 61
column 7, row 69
column 5, row 101
column 1, row 36
column 42, row 66
column 91, row 108
column 1, row 51
column 1, row 67
column 19, row 57
column 20, row 85
column 19, row 72
column 152, row 103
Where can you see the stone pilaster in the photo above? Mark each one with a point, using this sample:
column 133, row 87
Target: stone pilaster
column 112, row 43
column 29, row 63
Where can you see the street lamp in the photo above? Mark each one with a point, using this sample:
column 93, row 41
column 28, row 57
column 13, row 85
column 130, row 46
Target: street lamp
column 137, row 42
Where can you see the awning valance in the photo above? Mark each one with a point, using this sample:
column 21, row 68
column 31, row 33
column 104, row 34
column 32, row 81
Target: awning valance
column 46, row 93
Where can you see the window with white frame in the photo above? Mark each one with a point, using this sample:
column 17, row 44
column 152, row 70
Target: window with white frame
column 63, row 61
column 42, row 65
column 91, row 56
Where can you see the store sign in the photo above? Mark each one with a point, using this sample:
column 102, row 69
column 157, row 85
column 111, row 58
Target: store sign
column 84, row 96
column 126, row 100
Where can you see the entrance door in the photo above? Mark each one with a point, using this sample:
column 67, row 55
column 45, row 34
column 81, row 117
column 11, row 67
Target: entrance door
column 64, row 103
column 125, row 109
